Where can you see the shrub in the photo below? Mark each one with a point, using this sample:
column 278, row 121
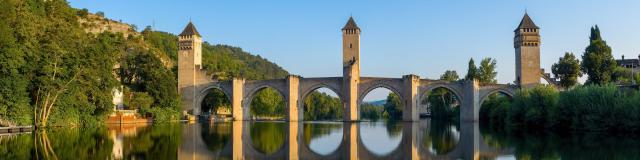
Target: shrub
column 535, row 107
column 599, row 108
column 164, row 114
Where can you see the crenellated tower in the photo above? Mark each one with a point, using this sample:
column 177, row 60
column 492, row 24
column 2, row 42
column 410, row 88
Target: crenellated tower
column 527, row 45
column 351, row 68
column 189, row 65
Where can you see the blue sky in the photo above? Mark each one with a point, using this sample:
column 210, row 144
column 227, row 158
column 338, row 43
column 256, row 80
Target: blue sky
column 398, row 37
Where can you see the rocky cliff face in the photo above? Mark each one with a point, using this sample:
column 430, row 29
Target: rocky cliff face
column 93, row 23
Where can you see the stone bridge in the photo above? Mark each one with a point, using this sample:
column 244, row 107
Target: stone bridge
column 194, row 83
column 470, row 144
column 411, row 89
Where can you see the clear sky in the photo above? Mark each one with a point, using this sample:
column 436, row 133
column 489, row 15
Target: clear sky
column 398, row 37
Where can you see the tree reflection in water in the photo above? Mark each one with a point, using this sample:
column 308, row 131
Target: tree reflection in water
column 216, row 135
column 156, row 142
column 268, row 137
column 441, row 137
column 58, row 143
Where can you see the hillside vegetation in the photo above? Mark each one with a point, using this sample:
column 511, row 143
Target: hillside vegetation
column 60, row 65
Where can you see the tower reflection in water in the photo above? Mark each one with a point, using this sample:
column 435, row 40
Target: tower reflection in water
column 333, row 140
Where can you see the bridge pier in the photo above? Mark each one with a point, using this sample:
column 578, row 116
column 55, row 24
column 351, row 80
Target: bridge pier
column 237, row 111
column 293, row 89
column 470, row 108
column 410, row 110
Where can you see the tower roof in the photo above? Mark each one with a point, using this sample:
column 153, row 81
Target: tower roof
column 527, row 23
column 351, row 24
column 190, row 30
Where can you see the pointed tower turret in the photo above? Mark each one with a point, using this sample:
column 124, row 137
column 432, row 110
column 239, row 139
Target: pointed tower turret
column 190, row 30
column 527, row 45
column 189, row 55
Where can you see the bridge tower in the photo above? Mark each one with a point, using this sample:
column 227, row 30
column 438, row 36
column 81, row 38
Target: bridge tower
column 189, row 65
column 351, row 68
column 527, row 45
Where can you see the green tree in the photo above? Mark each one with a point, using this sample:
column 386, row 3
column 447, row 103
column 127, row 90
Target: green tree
column 472, row 72
column 268, row 102
column 449, row 75
column 487, row 72
column 393, row 106
column 215, row 99
column 567, row 69
column 597, row 61
column 141, row 101
column 143, row 71
column 371, row 111
column 622, row 75
column 441, row 101
column 321, row 106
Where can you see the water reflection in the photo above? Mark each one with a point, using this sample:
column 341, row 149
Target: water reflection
column 310, row 140
column 441, row 137
column 216, row 136
column 268, row 137
column 323, row 138
column 381, row 138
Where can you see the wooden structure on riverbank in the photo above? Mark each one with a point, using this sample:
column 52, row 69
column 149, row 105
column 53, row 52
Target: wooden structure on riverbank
column 16, row 129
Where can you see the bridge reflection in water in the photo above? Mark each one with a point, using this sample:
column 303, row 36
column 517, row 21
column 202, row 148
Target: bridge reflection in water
column 291, row 140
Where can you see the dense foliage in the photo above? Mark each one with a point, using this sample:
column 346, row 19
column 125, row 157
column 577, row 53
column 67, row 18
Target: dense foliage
column 371, row 111
column 485, row 74
column 450, row 75
column 472, row 71
column 268, row 102
column 591, row 107
column 321, row 106
column 55, row 73
column 390, row 110
column 597, row 61
column 443, row 104
column 567, row 69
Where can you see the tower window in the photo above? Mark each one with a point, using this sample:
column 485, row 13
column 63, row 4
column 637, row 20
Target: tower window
column 350, row 45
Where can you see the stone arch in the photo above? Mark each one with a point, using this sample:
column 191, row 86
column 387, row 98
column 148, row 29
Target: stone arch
column 370, row 88
column 318, row 86
column 455, row 89
column 497, row 90
column 246, row 101
column 203, row 93
column 315, row 87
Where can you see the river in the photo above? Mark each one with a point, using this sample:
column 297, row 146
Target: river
column 426, row 139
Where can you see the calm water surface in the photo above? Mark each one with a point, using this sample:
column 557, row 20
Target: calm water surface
column 311, row 140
